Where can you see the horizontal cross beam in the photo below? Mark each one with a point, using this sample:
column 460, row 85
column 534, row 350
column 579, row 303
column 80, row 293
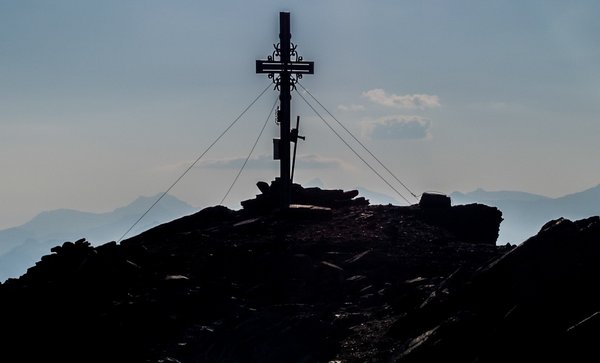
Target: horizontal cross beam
column 300, row 67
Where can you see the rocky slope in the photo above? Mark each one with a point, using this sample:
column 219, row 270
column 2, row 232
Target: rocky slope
column 340, row 281
column 22, row 246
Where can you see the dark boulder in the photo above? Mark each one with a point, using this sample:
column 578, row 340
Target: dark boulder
column 476, row 223
column 434, row 200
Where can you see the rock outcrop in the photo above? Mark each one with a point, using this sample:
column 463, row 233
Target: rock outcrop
column 268, row 200
column 538, row 302
column 344, row 282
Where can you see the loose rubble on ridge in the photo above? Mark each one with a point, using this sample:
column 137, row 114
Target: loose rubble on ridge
column 333, row 279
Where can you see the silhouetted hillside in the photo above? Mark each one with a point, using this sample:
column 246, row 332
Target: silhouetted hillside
column 330, row 279
column 21, row 246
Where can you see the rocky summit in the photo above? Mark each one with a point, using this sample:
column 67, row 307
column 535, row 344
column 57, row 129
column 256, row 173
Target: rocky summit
column 331, row 279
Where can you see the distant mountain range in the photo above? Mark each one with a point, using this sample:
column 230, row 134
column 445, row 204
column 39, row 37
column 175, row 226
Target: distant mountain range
column 22, row 246
column 340, row 281
column 524, row 213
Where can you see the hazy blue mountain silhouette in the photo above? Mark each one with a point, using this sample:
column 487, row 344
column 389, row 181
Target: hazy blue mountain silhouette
column 524, row 213
column 22, row 246
column 484, row 195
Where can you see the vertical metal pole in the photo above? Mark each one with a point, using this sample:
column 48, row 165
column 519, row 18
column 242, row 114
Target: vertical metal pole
column 284, row 100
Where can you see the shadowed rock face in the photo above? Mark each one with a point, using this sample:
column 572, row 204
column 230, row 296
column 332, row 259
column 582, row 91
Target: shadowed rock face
column 539, row 302
column 354, row 283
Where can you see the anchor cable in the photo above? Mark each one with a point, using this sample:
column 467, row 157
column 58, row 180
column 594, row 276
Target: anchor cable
column 352, row 149
column 195, row 162
column 358, row 141
column 250, row 153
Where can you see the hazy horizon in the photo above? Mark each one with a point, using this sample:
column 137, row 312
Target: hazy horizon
column 381, row 198
column 103, row 102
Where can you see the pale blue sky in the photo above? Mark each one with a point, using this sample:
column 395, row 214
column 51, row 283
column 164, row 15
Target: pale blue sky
column 103, row 101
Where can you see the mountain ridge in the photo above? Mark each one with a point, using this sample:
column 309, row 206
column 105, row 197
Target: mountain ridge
column 333, row 280
column 258, row 284
column 21, row 246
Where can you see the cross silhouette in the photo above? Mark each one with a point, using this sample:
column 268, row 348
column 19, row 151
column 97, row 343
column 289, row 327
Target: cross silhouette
column 288, row 73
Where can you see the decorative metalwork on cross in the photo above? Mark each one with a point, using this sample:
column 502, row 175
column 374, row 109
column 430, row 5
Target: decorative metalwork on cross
column 289, row 67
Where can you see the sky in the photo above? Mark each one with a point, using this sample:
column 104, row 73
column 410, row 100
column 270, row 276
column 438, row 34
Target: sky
column 105, row 101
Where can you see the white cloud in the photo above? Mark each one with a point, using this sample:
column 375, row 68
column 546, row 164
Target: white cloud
column 380, row 97
column 398, row 127
column 351, row 108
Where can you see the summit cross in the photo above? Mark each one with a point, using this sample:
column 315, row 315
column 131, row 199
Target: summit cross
column 289, row 67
